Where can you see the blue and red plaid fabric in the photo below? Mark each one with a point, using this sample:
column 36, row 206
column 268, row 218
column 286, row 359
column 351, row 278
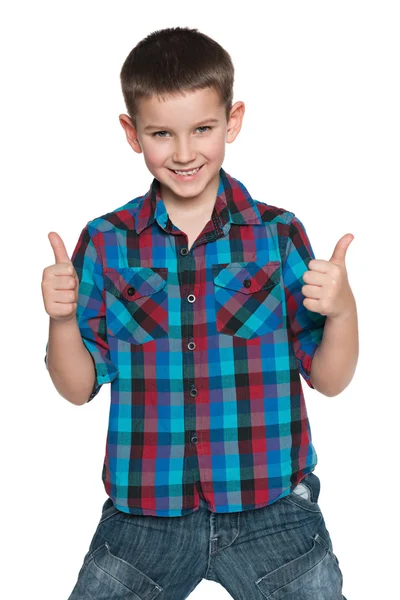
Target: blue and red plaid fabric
column 204, row 350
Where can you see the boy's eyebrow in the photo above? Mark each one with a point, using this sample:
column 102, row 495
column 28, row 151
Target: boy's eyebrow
column 162, row 127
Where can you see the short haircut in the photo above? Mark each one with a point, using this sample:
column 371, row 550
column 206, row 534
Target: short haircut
column 174, row 61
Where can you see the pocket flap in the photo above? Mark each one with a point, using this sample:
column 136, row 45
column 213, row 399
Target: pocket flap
column 247, row 277
column 108, row 576
column 312, row 571
column 131, row 283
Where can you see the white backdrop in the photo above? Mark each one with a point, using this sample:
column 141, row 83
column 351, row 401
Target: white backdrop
column 320, row 137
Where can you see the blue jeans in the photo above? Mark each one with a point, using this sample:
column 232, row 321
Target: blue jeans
column 278, row 551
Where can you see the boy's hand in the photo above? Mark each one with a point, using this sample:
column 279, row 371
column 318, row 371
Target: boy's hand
column 328, row 291
column 60, row 283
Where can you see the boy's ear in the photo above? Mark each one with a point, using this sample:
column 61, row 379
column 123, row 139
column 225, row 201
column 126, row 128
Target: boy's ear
column 130, row 132
column 235, row 121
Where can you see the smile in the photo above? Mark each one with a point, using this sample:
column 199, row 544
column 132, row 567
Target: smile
column 186, row 175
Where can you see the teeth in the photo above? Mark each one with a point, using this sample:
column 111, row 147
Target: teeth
column 186, row 172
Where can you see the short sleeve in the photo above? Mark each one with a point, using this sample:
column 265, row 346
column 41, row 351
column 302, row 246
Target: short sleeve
column 307, row 327
column 90, row 312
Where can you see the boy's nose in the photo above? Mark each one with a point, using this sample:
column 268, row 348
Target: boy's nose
column 184, row 154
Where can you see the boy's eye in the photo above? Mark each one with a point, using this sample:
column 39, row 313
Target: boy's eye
column 155, row 134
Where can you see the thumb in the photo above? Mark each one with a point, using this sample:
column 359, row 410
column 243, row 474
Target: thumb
column 339, row 253
column 59, row 249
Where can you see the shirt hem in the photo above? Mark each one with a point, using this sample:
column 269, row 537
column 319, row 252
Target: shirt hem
column 212, row 508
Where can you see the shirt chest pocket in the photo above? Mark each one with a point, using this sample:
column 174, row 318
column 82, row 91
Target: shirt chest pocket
column 136, row 303
column 248, row 298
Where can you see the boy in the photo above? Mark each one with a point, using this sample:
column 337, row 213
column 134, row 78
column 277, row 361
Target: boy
column 191, row 301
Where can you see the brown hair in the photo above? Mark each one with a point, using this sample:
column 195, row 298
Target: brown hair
column 172, row 61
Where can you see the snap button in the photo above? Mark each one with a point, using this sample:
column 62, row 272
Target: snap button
column 131, row 291
column 184, row 251
column 193, row 392
column 247, row 283
column 194, row 439
column 191, row 345
column 191, row 298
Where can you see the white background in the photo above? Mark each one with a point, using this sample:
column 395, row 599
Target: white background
column 320, row 137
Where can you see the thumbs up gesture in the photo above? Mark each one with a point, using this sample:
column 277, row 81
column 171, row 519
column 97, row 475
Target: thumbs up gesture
column 60, row 283
column 327, row 289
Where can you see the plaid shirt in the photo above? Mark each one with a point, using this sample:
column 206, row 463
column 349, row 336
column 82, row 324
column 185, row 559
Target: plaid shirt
column 203, row 349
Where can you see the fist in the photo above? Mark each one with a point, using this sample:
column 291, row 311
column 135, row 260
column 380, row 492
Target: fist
column 60, row 283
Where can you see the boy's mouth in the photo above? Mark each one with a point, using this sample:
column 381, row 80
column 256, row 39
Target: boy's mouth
column 186, row 174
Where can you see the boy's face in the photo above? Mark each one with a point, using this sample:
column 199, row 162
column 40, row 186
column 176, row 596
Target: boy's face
column 184, row 132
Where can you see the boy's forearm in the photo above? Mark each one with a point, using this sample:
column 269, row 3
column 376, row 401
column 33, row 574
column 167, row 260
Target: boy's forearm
column 336, row 357
column 69, row 363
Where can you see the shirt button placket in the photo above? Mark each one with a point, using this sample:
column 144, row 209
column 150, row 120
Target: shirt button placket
column 191, row 346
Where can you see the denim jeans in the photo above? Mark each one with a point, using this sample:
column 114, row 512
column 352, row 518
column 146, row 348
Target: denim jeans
column 279, row 551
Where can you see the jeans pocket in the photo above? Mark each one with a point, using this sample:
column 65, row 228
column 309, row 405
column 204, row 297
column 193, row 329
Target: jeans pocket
column 302, row 503
column 105, row 576
column 306, row 494
column 313, row 575
column 136, row 303
column 248, row 298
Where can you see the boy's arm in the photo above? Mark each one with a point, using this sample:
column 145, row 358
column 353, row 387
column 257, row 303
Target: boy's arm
column 69, row 363
column 82, row 382
column 335, row 360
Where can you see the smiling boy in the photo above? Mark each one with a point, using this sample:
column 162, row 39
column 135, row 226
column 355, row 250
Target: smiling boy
column 202, row 306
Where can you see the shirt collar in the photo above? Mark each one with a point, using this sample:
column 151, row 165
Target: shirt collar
column 233, row 204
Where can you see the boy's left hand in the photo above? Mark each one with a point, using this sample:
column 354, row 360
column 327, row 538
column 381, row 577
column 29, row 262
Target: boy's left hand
column 327, row 289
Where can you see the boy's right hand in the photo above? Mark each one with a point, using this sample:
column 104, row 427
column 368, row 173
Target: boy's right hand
column 60, row 283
